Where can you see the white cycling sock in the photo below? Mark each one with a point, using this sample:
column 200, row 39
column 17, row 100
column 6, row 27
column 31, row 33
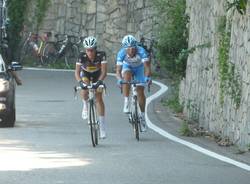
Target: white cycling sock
column 102, row 120
column 84, row 103
column 126, row 99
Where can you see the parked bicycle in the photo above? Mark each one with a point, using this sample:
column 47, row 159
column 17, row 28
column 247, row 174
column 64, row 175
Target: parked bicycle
column 92, row 114
column 134, row 114
column 65, row 49
column 32, row 48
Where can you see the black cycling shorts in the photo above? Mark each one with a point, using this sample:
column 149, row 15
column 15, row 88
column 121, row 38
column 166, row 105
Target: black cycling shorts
column 91, row 76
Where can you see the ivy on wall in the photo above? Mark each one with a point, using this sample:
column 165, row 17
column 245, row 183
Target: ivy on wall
column 239, row 5
column 230, row 82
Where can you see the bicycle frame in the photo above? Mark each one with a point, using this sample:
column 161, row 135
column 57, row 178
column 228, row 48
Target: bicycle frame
column 133, row 116
column 92, row 114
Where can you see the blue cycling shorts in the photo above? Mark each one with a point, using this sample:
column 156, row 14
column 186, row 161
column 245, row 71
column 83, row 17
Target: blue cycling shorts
column 137, row 73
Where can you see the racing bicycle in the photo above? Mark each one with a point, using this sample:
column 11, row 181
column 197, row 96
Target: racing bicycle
column 134, row 114
column 92, row 114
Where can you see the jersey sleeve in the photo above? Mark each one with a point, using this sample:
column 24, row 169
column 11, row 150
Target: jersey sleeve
column 80, row 59
column 143, row 54
column 120, row 57
column 103, row 57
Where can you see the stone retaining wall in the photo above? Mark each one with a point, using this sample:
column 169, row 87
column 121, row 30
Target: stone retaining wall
column 108, row 20
column 200, row 90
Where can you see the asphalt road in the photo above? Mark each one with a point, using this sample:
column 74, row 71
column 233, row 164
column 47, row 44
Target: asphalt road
column 50, row 144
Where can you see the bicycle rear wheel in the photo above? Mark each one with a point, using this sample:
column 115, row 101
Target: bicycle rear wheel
column 71, row 56
column 49, row 54
column 93, row 124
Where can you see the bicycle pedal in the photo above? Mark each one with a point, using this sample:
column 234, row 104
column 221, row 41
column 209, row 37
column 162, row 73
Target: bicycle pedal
column 130, row 121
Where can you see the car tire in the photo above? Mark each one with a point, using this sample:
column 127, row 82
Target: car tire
column 9, row 119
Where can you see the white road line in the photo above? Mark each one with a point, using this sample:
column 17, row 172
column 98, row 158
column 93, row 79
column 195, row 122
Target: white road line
column 47, row 69
column 164, row 133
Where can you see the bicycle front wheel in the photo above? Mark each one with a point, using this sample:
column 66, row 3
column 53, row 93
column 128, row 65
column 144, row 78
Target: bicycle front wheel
column 93, row 124
column 49, row 54
column 135, row 119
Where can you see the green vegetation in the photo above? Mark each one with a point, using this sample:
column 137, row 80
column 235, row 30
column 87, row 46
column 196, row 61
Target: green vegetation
column 16, row 13
column 185, row 130
column 173, row 36
column 41, row 8
column 239, row 5
column 224, row 47
column 230, row 82
column 173, row 102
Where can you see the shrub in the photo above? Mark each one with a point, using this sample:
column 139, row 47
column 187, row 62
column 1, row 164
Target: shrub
column 173, row 35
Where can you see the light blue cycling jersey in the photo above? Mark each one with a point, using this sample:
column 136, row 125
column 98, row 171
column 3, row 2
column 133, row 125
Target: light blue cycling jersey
column 140, row 57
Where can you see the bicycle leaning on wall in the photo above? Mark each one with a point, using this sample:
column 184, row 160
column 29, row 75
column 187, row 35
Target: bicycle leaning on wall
column 32, row 48
column 66, row 49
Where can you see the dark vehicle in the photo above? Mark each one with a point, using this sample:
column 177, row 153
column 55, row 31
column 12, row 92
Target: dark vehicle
column 7, row 93
column 7, row 73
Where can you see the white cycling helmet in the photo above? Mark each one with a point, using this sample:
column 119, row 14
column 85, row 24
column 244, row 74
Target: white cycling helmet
column 129, row 41
column 89, row 42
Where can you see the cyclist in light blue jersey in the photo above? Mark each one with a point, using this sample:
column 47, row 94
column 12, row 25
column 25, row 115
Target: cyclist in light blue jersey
column 133, row 62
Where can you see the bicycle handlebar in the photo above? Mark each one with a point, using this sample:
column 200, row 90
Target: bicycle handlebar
column 135, row 83
column 90, row 86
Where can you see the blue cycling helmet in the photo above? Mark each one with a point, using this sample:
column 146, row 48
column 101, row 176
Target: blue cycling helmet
column 129, row 41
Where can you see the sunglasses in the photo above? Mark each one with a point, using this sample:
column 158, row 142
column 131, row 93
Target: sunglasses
column 90, row 50
column 131, row 48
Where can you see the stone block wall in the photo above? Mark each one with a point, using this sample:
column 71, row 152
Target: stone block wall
column 108, row 20
column 200, row 89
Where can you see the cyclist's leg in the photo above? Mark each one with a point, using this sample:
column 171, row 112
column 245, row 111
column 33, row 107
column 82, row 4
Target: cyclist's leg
column 101, row 113
column 127, row 76
column 99, row 100
column 100, row 106
column 84, row 94
column 139, row 76
column 86, row 79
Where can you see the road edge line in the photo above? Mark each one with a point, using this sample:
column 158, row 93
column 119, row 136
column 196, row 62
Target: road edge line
column 163, row 89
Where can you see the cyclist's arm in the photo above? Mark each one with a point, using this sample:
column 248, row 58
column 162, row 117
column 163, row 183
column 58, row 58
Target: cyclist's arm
column 147, row 68
column 77, row 72
column 119, row 62
column 119, row 72
column 146, row 61
column 103, row 71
